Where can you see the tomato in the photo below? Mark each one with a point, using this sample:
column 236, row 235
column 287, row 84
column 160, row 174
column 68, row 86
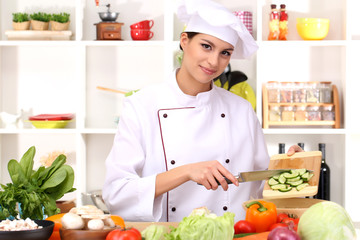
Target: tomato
column 296, row 221
column 128, row 234
column 57, row 225
column 280, row 217
column 119, row 221
column 276, row 225
column 288, row 220
column 244, row 226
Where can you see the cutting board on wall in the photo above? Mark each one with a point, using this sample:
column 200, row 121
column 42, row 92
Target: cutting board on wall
column 310, row 160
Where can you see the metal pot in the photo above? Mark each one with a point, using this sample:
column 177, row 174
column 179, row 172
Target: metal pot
column 96, row 197
column 108, row 16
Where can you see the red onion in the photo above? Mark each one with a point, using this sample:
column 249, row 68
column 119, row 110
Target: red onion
column 283, row 233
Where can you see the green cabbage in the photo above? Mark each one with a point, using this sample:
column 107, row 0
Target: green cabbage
column 326, row 220
column 204, row 226
column 154, row 232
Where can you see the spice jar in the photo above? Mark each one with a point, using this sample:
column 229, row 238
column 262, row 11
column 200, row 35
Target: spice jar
column 325, row 92
column 300, row 113
column 314, row 113
column 273, row 91
column 327, row 112
column 274, row 23
column 274, row 114
column 312, row 92
column 299, row 92
column 287, row 113
column 286, row 92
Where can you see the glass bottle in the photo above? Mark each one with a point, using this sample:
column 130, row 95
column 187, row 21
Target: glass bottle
column 283, row 24
column 302, row 145
column 281, row 148
column 325, row 92
column 274, row 23
column 324, row 180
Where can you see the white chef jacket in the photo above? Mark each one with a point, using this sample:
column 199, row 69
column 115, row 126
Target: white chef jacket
column 162, row 128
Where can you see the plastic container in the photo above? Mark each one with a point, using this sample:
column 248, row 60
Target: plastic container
column 312, row 92
column 327, row 112
column 287, row 113
column 274, row 114
column 273, row 89
column 299, row 92
column 300, row 113
column 286, row 92
column 325, row 92
column 314, row 113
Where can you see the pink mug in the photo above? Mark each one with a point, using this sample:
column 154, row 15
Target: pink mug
column 141, row 34
column 146, row 24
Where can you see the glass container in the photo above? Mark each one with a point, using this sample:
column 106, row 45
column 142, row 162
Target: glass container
column 286, row 92
column 273, row 91
column 274, row 114
column 287, row 113
column 327, row 112
column 325, row 95
column 312, row 92
column 314, row 113
column 300, row 113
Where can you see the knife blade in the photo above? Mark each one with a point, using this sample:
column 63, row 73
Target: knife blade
column 258, row 175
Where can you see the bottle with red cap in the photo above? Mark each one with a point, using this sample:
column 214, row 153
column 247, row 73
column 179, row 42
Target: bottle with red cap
column 274, row 23
column 283, row 24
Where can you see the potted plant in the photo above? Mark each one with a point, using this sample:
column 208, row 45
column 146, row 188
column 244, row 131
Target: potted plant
column 21, row 21
column 40, row 21
column 60, row 21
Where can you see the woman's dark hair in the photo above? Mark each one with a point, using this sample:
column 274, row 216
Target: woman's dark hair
column 190, row 36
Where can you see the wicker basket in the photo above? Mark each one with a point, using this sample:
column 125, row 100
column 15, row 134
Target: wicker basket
column 56, row 26
column 39, row 25
column 21, row 25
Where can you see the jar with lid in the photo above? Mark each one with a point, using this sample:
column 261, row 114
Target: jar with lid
column 274, row 113
column 325, row 95
column 286, row 92
column 299, row 92
column 327, row 112
column 300, row 113
column 312, row 92
column 273, row 91
column 314, row 113
column 287, row 113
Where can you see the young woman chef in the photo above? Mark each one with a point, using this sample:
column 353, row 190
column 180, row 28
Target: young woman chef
column 186, row 131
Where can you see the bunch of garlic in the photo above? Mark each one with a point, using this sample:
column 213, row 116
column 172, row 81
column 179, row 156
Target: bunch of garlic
column 87, row 217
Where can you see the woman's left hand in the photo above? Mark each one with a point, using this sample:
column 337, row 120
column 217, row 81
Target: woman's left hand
column 293, row 149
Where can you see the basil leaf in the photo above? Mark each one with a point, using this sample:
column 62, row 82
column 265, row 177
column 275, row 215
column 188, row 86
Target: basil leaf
column 44, row 175
column 27, row 162
column 65, row 187
column 55, row 179
column 16, row 173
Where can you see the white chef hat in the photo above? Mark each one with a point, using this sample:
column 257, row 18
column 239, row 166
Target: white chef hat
column 208, row 17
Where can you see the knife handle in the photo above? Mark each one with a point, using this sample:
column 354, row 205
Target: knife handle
column 227, row 180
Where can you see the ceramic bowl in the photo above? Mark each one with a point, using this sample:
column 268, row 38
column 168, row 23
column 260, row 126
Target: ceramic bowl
column 312, row 28
column 70, row 234
column 43, row 233
column 50, row 124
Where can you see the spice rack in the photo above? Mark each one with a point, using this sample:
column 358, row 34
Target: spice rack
column 332, row 123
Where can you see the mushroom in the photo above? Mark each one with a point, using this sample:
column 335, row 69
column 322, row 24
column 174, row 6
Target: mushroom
column 72, row 221
column 95, row 224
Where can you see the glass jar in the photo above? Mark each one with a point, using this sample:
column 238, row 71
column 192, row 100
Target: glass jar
column 327, row 112
column 300, row 113
column 299, row 92
column 312, row 92
column 273, row 91
column 286, row 92
column 325, row 92
column 287, row 113
column 274, row 114
column 314, row 113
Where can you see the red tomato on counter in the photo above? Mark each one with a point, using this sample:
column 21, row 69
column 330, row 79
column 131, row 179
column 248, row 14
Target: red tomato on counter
column 244, row 226
column 281, row 216
column 127, row 234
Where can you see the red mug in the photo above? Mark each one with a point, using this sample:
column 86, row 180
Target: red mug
column 146, row 24
column 141, row 34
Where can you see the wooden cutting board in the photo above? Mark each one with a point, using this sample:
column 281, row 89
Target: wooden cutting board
column 309, row 160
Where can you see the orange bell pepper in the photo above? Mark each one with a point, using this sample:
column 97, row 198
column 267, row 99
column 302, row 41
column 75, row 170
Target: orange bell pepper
column 262, row 214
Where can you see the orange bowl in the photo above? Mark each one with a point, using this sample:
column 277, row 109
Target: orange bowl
column 312, row 28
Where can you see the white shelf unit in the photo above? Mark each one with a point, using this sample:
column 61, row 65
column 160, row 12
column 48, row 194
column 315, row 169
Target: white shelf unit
column 62, row 76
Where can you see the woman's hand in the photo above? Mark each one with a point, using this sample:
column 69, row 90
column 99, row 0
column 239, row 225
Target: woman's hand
column 293, row 149
column 206, row 174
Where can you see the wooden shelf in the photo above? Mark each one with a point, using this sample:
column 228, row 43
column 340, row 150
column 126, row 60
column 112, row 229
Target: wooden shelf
column 267, row 123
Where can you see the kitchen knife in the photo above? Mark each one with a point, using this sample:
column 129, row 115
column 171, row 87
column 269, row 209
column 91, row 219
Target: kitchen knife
column 258, row 175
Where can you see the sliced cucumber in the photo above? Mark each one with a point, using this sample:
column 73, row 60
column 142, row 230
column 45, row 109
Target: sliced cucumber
column 302, row 186
column 291, row 174
column 307, row 176
column 297, row 183
column 272, row 181
column 301, row 171
column 288, row 188
column 279, row 186
column 276, row 177
column 295, row 179
column 282, row 178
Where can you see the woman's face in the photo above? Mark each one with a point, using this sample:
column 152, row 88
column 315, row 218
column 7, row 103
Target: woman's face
column 205, row 57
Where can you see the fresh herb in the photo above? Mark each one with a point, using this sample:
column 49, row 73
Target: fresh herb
column 20, row 17
column 35, row 192
column 41, row 16
column 60, row 17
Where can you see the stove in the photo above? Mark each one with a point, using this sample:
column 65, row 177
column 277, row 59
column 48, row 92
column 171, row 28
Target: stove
column 108, row 30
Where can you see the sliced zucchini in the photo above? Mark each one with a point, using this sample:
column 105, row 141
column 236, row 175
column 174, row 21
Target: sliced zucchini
column 272, row 181
column 301, row 186
column 278, row 186
column 297, row 183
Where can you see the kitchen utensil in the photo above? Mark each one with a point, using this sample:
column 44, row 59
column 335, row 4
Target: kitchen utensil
column 146, row 24
column 141, row 34
column 50, row 124
column 309, row 160
column 43, row 233
column 96, row 197
column 312, row 28
column 52, row 117
column 293, row 206
column 108, row 16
